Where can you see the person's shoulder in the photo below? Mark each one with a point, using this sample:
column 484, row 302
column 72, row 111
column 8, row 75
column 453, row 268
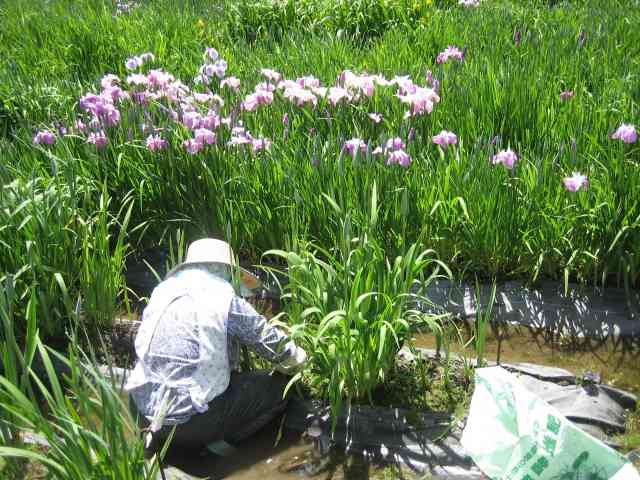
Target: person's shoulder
column 172, row 284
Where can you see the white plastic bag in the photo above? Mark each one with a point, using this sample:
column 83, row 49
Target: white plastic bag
column 511, row 434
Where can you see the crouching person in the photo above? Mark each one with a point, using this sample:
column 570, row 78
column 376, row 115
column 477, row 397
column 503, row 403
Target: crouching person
column 188, row 349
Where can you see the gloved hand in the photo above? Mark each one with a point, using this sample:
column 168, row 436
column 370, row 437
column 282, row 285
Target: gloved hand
column 292, row 364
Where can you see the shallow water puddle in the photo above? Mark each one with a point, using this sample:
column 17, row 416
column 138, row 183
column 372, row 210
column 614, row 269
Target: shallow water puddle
column 616, row 363
column 258, row 459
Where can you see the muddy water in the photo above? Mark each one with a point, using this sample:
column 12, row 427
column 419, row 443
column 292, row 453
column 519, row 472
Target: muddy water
column 259, row 458
column 618, row 364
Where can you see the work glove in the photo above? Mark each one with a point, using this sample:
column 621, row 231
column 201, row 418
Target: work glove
column 292, row 364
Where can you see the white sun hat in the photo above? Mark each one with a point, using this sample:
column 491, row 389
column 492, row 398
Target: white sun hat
column 208, row 252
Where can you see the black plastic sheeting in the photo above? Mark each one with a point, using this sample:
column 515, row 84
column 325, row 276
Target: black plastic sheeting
column 430, row 442
column 577, row 311
column 425, row 442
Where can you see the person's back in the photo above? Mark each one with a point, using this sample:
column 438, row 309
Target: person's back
column 188, row 346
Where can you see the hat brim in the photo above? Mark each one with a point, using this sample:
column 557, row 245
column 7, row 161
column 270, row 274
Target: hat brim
column 248, row 279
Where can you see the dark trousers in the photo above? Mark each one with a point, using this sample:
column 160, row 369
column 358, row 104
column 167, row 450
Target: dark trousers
column 251, row 401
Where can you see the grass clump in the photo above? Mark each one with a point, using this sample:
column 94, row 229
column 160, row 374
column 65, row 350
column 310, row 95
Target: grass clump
column 354, row 308
column 81, row 415
column 47, row 222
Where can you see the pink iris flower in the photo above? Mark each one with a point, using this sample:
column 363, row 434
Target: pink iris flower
column 575, row 182
column 258, row 144
column 204, row 136
column 133, row 63
column 566, row 95
column 353, row 146
column 429, row 78
column 114, row 93
column 308, row 82
column 508, row 158
column 231, row 82
column 320, row 91
column 405, row 84
column 192, row 146
column 211, row 54
column 284, row 84
column 192, row 120
column 108, row 80
column 421, row 100
column 627, row 133
column 337, row 94
column 137, row 79
column 240, row 136
column 394, row 144
column 202, row 97
column 450, row 52
column 141, row 97
column 220, row 68
column 255, row 100
column 156, row 143
column 99, row 139
column 375, row 117
column 92, row 103
column 445, row 138
column 265, row 87
column 109, row 114
column 271, row 75
column 217, row 69
column 80, row 126
column 300, row 96
column 159, row 78
column 363, row 83
column 44, row 137
column 211, row 121
column 400, row 157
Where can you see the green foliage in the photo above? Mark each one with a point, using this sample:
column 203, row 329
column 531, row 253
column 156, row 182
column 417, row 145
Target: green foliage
column 85, row 420
column 483, row 320
column 55, row 236
column 630, row 441
column 102, row 283
column 16, row 358
column 351, row 308
column 480, row 220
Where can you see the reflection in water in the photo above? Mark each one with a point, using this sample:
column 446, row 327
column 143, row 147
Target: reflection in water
column 294, row 457
column 616, row 362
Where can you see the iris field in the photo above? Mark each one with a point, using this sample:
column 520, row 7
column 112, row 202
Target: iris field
column 364, row 144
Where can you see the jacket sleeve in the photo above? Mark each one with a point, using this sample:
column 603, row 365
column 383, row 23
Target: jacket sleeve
column 249, row 328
